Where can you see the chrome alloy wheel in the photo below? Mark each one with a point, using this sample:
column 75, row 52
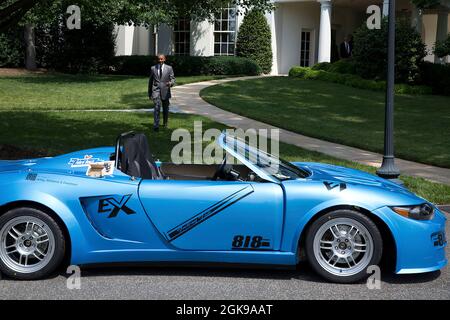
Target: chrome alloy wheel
column 27, row 244
column 343, row 247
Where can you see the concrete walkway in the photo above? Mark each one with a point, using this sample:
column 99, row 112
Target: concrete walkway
column 186, row 98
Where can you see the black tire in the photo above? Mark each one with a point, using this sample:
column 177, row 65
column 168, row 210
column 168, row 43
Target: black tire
column 59, row 239
column 354, row 215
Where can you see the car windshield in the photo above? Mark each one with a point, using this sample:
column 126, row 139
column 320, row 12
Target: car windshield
column 270, row 164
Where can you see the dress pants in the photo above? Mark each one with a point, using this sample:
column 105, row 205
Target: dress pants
column 157, row 111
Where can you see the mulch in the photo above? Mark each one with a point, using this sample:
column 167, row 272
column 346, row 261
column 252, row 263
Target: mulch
column 11, row 72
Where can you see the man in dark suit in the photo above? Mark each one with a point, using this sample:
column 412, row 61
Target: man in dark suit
column 346, row 48
column 161, row 80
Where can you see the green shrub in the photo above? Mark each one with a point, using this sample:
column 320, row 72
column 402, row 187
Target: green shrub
column 321, row 66
column 254, row 40
column 354, row 81
column 346, row 66
column 187, row 65
column 436, row 76
column 442, row 48
column 343, row 66
column 12, row 48
column 370, row 52
column 232, row 66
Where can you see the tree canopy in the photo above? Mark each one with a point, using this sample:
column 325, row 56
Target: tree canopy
column 138, row 12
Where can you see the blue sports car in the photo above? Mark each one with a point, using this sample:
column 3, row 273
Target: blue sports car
column 117, row 205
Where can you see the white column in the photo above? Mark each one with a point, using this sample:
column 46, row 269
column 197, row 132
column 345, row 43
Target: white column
column 442, row 29
column 271, row 20
column 385, row 8
column 325, row 31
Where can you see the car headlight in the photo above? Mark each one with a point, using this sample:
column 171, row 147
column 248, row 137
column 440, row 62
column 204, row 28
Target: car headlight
column 417, row 212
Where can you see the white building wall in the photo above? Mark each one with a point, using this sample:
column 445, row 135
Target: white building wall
column 291, row 18
column 202, row 39
column 132, row 40
column 124, row 40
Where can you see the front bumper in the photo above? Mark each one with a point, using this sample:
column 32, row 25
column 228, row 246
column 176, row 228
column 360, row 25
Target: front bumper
column 420, row 244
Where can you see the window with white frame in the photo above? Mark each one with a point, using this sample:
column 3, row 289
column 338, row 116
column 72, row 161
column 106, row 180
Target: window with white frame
column 225, row 32
column 182, row 37
column 305, row 47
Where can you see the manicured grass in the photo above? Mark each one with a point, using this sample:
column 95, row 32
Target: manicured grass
column 78, row 92
column 60, row 132
column 342, row 114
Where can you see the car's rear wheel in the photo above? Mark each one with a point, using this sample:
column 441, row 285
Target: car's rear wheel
column 342, row 244
column 32, row 244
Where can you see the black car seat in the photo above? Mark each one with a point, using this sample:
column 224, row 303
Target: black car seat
column 136, row 159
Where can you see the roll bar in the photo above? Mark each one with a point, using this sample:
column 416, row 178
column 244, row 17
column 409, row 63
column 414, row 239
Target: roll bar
column 118, row 143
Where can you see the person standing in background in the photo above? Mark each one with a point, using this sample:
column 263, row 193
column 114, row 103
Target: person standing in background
column 346, row 47
column 161, row 80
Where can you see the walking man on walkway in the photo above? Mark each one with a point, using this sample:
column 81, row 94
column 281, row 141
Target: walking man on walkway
column 161, row 80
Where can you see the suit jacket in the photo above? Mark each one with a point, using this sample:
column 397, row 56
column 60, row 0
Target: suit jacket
column 157, row 87
column 343, row 50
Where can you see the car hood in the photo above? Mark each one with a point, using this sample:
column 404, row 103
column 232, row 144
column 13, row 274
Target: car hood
column 338, row 174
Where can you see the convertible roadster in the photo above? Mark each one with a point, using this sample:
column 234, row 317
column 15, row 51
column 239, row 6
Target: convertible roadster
column 117, row 205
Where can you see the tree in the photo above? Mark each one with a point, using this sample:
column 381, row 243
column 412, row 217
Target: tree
column 29, row 13
column 11, row 11
column 254, row 40
column 140, row 12
column 370, row 51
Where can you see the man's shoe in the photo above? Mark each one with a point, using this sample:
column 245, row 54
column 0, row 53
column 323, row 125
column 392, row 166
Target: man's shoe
column 165, row 125
column 156, row 129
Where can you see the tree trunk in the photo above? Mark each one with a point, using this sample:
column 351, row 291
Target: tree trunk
column 30, row 48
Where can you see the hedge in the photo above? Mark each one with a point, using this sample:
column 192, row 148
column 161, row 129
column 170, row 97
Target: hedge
column 436, row 76
column 187, row 65
column 341, row 66
column 354, row 81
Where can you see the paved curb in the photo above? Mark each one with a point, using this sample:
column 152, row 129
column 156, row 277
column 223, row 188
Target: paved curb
column 186, row 98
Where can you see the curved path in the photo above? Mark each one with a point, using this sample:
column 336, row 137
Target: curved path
column 186, row 99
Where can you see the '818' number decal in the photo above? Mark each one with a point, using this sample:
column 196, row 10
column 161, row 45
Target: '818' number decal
column 241, row 242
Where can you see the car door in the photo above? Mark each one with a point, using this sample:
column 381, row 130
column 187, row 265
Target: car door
column 215, row 215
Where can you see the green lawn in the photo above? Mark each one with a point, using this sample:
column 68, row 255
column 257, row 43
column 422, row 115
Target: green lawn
column 54, row 133
column 77, row 92
column 342, row 114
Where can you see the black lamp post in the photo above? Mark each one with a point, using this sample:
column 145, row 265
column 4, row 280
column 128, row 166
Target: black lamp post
column 388, row 169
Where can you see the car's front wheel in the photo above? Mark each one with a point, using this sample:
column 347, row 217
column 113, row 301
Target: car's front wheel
column 32, row 244
column 342, row 244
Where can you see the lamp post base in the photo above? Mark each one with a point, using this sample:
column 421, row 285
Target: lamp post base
column 388, row 169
